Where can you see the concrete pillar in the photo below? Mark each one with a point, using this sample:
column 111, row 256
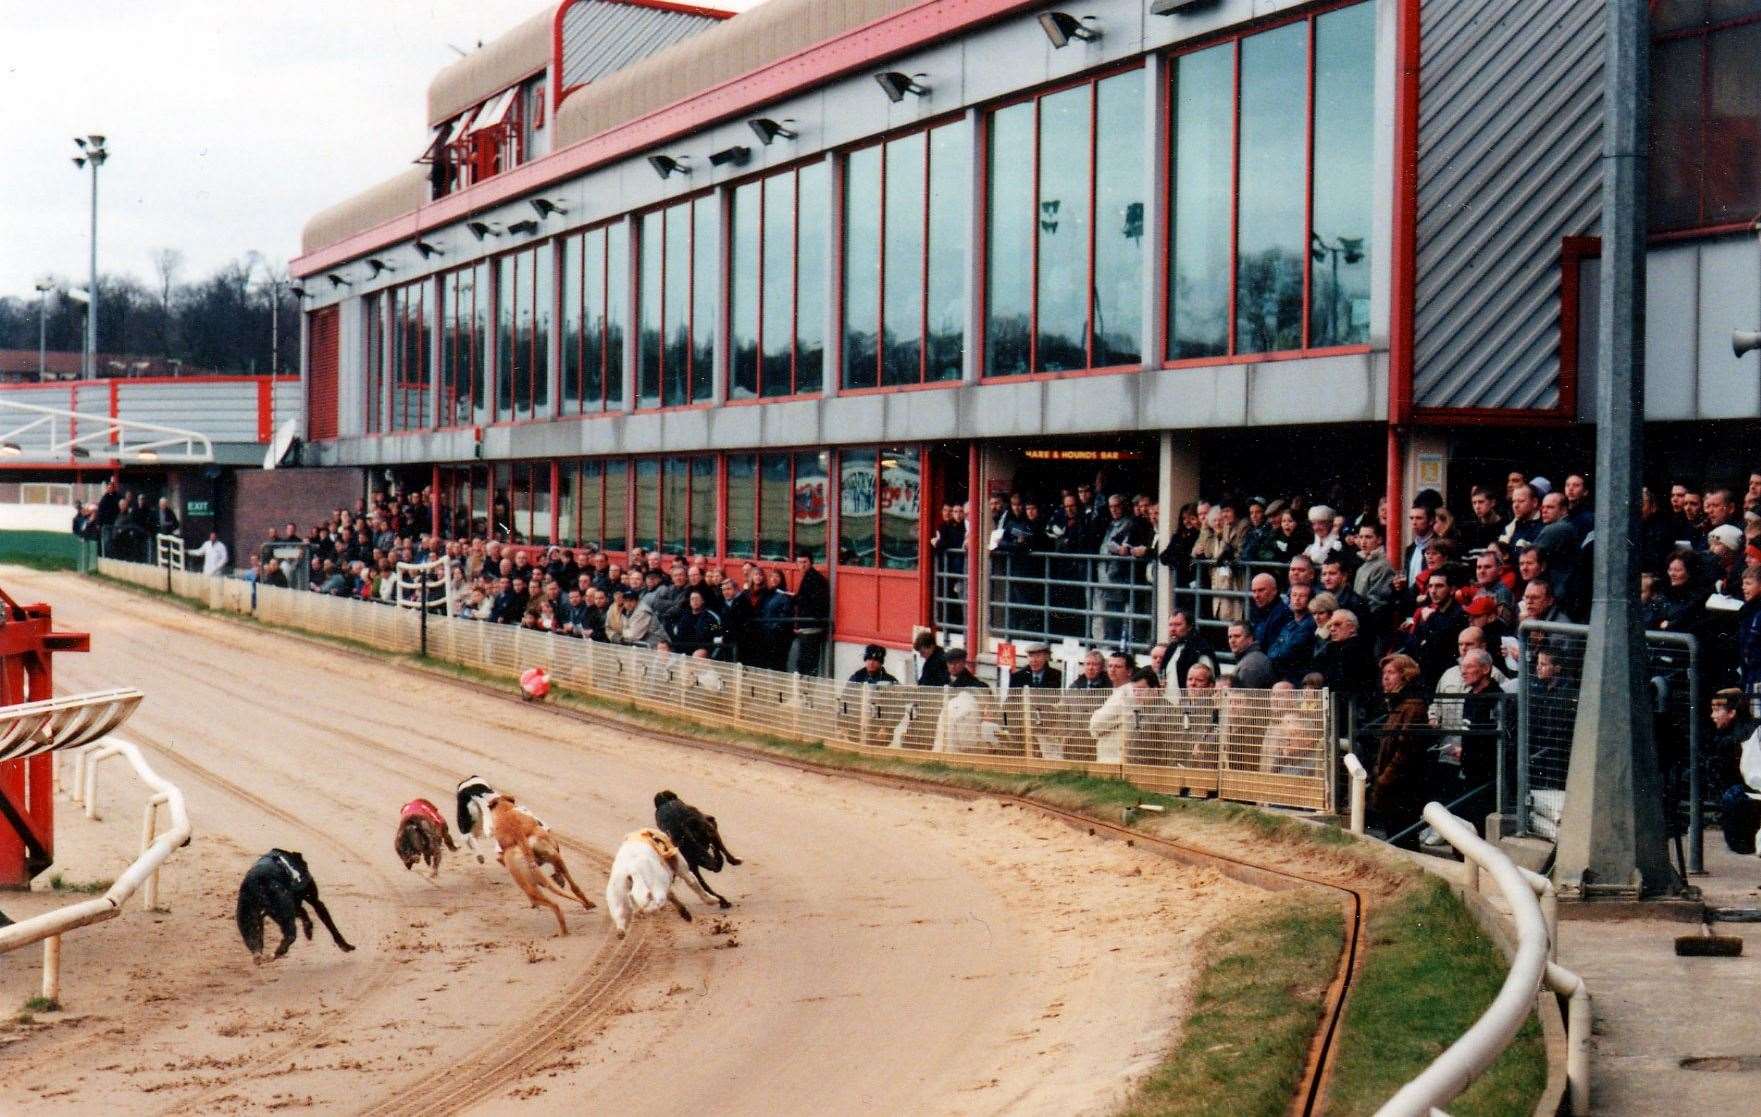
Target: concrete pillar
column 1177, row 476
column 633, row 327
column 833, row 377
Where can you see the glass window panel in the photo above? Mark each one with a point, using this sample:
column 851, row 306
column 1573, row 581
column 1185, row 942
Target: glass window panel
column 676, row 306
column 1198, row 302
column 902, row 268
column 703, row 510
column 568, row 489
column 480, row 524
column 480, row 333
column 742, row 506
column 647, row 503
column 1120, row 270
column 812, row 500
column 1064, row 147
column 504, row 334
column 705, row 293
column 1733, row 128
column 776, row 498
column 1677, row 15
column 543, row 311
column 593, row 316
column 617, row 317
column 899, row 497
column 1677, row 154
column 856, row 501
column 812, row 253
column 1721, row 10
column 1339, row 285
column 617, row 493
column 651, row 239
column 540, row 503
column 573, row 324
column 862, row 198
column 525, row 328
column 776, row 376
column 1009, row 231
column 674, row 503
column 950, row 200
column 501, row 513
column 592, row 504
column 743, row 294
column 1269, row 253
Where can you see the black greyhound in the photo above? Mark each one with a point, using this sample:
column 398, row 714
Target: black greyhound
column 279, row 886
column 697, row 837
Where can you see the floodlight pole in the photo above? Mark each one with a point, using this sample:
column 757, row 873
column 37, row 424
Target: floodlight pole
column 91, row 362
column 1611, row 838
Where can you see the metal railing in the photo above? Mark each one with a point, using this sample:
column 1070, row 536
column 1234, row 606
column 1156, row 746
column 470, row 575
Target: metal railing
column 1270, row 747
column 79, row 725
column 1052, row 596
column 948, row 592
column 1549, row 678
column 1534, row 913
column 168, row 552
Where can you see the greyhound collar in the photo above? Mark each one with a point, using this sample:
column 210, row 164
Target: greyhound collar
column 291, row 871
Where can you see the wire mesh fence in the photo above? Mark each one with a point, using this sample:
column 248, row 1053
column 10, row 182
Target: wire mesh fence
column 1549, row 683
column 1258, row 746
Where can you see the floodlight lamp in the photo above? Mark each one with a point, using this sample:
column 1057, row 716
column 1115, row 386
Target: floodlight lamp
column 481, row 229
column 545, row 207
column 523, row 228
column 738, row 155
column 1177, row 7
column 1061, row 27
column 897, row 84
column 10, row 449
column 81, row 141
column 147, row 456
column 428, row 249
column 79, row 161
column 78, row 295
column 768, row 130
column 666, row 165
column 337, row 280
column 78, row 452
column 95, row 140
column 45, row 285
column 378, row 266
column 298, row 290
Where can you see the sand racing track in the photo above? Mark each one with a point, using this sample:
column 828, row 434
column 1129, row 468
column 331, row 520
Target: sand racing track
column 888, row 951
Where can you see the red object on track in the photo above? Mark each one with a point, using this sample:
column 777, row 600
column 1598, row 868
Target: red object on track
column 27, row 800
column 535, row 683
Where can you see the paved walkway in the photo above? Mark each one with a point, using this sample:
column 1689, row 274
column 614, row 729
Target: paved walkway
column 1656, row 1013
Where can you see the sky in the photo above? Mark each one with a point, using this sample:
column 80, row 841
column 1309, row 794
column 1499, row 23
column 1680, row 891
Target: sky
column 229, row 124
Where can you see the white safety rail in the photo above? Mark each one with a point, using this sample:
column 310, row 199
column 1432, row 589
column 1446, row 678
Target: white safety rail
column 80, row 725
column 1534, row 912
column 420, row 583
column 170, row 551
column 32, row 431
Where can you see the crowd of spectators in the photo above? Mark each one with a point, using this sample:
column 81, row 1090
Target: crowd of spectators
column 740, row 613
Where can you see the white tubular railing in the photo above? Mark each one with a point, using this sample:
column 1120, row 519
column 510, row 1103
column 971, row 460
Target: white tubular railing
column 170, row 551
column 1468, row 1057
column 417, row 582
column 1359, row 778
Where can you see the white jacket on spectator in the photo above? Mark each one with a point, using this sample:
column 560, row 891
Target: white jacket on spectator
column 962, row 726
column 1111, row 725
column 214, row 557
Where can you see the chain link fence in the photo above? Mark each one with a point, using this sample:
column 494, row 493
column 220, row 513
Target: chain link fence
column 1257, row 746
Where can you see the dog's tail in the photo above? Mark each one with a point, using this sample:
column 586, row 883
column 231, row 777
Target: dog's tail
column 250, row 919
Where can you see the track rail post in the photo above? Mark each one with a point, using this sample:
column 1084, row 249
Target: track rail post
column 52, row 969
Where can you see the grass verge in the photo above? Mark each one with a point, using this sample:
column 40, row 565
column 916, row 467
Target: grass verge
column 1428, row 974
column 1428, row 971
column 41, row 550
column 1254, row 1014
column 42, row 1004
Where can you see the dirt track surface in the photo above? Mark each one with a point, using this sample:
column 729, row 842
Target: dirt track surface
column 887, row 951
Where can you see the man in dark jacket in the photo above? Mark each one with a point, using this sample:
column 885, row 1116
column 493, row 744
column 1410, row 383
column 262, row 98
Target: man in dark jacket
column 1039, row 673
column 935, row 662
column 959, row 673
column 697, row 628
column 813, row 610
column 873, row 671
column 1432, row 641
column 1749, row 634
column 1185, row 648
column 1093, row 675
column 1253, row 670
column 109, row 511
column 1267, row 614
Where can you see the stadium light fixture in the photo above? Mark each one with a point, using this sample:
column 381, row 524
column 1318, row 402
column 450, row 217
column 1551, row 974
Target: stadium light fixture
column 897, row 84
column 767, row 130
column 1061, row 27
column 523, row 228
column 337, row 280
column 428, row 249
column 737, row 156
column 481, row 229
column 10, row 449
column 545, row 207
column 1178, row 7
column 379, row 266
column 666, row 166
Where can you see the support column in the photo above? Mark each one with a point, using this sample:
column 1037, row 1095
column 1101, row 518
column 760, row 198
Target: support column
column 1611, row 838
column 1176, row 484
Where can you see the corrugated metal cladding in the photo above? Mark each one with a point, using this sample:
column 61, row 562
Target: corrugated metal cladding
column 225, row 412
column 321, row 359
column 285, row 402
column 36, row 440
column 600, row 38
column 1510, row 131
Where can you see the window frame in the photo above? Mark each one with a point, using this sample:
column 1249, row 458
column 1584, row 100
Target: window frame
column 609, row 372
column 835, row 542
column 1165, row 249
column 450, row 339
column 662, row 211
column 375, row 309
column 985, row 220
column 833, row 246
column 1701, row 227
column 544, row 260
column 835, row 347
column 717, row 492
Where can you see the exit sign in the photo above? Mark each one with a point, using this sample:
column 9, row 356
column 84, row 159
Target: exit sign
column 198, row 508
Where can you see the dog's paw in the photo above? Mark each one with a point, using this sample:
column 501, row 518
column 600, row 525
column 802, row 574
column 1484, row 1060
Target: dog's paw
column 346, row 948
column 258, row 959
column 685, row 914
column 725, row 904
column 482, row 860
column 732, row 860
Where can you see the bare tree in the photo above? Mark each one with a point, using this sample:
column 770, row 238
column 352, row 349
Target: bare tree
column 167, row 262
